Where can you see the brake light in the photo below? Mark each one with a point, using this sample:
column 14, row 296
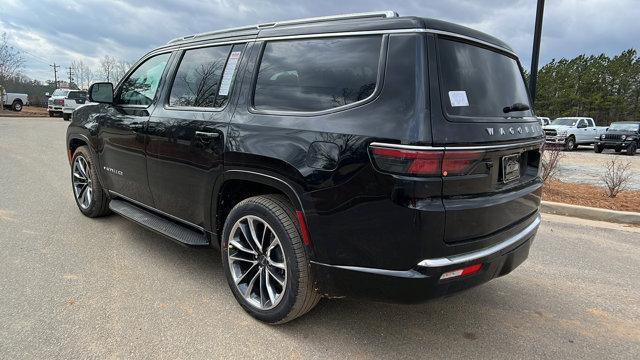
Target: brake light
column 425, row 162
column 461, row 272
column 59, row 102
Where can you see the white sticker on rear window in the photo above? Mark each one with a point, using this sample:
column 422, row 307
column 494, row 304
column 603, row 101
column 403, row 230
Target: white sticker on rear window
column 458, row 98
column 228, row 73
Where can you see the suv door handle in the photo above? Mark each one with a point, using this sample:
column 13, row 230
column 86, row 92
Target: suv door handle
column 207, row 135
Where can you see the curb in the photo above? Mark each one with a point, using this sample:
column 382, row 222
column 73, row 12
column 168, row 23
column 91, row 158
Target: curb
column 583, row 212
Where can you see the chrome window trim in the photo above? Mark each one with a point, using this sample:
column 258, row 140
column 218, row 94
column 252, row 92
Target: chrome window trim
column 382, row 63
column 197, row 227
column 537, row 142
column 475, row 255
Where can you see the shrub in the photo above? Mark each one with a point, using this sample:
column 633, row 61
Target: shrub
column 616, row 176
column 551, row 156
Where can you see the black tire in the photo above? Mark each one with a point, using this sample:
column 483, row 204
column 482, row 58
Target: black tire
column 50, row 113
column 66, row 117
column 597, row 149
column 570, row 144
column 17, row 105
column 99, row 203
column 631, row 149
column 299, row 296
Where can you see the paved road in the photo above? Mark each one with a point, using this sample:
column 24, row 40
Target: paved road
column 73, row 287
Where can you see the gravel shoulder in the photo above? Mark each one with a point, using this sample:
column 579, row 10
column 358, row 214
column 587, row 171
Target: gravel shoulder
column 586, row 167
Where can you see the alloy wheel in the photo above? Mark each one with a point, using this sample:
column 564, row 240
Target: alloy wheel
column 257, row 262
column 82, row 182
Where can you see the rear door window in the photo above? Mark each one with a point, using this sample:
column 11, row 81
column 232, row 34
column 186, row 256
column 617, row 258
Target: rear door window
column 317, row 74
column 479, row 83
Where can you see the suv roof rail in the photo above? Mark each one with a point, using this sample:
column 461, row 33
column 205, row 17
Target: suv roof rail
column 353, row 16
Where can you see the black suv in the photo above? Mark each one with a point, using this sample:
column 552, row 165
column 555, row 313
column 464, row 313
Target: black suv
column 367, row 155
column 620, row 135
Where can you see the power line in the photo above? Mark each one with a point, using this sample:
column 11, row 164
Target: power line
column 36, row 57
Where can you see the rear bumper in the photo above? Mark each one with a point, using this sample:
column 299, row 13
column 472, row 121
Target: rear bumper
column 423, row 282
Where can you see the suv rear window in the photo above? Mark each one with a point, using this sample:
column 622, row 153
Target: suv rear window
column 77, row 95
column 318, row 74
column 478, row 82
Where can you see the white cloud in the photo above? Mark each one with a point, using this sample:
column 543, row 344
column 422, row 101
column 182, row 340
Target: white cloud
column 62, row 30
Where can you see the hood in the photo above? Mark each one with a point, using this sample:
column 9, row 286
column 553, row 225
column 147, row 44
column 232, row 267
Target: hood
column 556, row 127
column 621, row 132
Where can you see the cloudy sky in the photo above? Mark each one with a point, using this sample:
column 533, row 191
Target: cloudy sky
column 66, row 30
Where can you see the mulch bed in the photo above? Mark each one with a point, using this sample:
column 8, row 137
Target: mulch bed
column 589, row 195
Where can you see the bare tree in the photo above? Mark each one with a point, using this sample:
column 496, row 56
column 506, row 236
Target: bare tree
column 88, row 77
column 551, row 157
column 80, row 70
column 10, row 62
column 616, row 176
column 107, row 67
column 120, row 70
column 10, row 59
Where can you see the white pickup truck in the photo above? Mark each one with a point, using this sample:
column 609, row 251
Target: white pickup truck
column 571, row 132
column 64, row 101
column 14, row 101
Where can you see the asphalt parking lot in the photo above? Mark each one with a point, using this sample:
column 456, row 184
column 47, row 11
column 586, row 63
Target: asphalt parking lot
column 73, row 287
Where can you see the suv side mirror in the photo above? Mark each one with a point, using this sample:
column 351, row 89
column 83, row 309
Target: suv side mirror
column 101, row 92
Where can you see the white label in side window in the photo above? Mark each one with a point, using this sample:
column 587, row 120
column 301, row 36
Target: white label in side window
column 228, row 73
column 458, row 98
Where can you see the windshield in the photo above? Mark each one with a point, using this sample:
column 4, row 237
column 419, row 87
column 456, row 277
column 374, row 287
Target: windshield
column 60, row 92
column 478, row 82
column 564, row 121
column 624, row 127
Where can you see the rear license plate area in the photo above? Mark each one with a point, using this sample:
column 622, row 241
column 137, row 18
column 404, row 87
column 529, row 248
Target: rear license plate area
column 510, row 168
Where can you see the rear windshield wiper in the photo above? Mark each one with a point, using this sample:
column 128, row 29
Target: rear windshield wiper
column 516, row 107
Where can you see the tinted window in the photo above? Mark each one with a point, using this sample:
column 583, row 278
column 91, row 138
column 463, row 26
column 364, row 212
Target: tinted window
column 477, row 82
column 77, row 95
column 60, row 92
column 198, row 77
column 141, row 86
column 319, row 74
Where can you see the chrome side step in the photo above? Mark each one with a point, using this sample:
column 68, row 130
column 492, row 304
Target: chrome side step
column 157, row 223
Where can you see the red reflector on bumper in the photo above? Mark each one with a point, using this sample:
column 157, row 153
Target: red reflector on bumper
column 461, row 272
column 303, row 228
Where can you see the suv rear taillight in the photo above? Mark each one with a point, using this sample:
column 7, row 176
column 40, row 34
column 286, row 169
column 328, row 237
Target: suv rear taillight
column 424, row 162
column 59, row 102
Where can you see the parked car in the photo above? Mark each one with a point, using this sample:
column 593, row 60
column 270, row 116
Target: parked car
column 64, row 101
column 544, row 121
column 571, row 132
column 317, row 163
column 622, row 135
column 14, row 101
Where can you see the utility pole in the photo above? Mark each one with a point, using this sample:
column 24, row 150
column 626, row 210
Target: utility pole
column 70, row 75
column 535, row 54
column 55, row 73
